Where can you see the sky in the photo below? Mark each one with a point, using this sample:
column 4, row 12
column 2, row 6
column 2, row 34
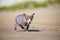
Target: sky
column 10, row 2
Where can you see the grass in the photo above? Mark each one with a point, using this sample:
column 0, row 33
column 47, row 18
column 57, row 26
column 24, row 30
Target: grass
column 36, row 5
column 54, row 1
column 24, row 6
column 27, row 5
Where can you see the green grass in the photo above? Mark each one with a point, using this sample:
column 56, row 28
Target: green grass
column 24, row 6
column 27, row 5
column 54, row 1
column 36, row 5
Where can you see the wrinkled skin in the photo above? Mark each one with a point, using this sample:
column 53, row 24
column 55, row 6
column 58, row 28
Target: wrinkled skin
column 23, row 21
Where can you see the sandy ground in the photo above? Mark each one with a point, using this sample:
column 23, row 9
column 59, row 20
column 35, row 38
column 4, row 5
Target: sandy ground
column 10, row 34
column 45, row 25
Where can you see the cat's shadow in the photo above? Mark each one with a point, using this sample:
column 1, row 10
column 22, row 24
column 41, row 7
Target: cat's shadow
column 31, row 30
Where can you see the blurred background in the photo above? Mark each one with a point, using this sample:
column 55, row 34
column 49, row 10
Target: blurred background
column 47, row 19
column 23, row 4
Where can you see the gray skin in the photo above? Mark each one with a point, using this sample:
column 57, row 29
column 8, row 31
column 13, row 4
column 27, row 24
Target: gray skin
column 22, row 21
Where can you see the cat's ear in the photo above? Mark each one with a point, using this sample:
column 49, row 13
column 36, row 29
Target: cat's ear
column 24, row 14
column 33, row 14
